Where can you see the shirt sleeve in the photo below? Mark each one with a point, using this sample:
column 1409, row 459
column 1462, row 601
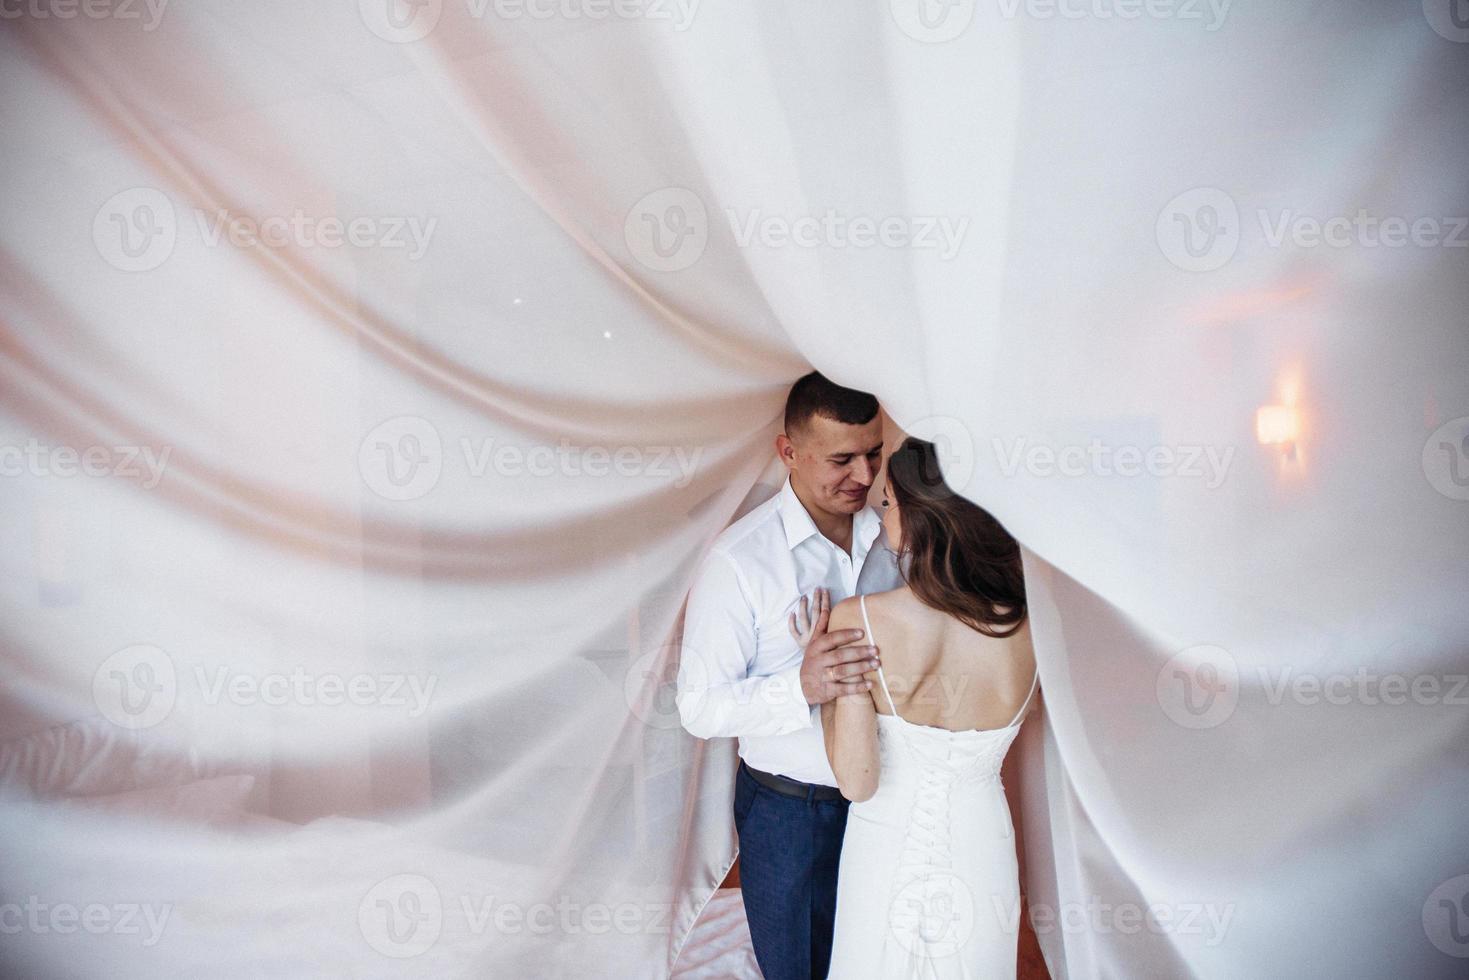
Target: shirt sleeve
column 717, row 697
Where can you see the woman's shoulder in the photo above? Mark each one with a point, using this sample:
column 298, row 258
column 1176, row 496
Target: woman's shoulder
column 881, row 607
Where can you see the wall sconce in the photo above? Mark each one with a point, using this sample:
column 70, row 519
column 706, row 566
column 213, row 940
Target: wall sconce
column 1278, row 425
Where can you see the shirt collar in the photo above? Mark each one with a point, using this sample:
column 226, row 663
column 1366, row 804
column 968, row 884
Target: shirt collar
column 799, row 526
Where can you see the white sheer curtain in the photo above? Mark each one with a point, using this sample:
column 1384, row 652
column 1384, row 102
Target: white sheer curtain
column 374, row 376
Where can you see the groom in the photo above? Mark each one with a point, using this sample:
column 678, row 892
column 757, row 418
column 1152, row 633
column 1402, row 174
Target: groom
column 743, row 674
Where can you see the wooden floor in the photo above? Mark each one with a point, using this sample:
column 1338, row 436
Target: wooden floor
column 1030, row 965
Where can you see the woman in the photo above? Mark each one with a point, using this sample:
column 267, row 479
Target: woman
column 928, row 883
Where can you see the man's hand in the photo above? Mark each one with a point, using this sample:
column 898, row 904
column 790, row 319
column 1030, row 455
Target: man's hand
column 829, row 668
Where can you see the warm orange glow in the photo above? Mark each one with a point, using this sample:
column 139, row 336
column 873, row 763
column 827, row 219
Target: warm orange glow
column 1277, row 425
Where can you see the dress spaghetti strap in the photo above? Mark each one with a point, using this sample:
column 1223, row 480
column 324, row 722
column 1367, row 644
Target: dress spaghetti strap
column 872, row 639
column 1034, row 681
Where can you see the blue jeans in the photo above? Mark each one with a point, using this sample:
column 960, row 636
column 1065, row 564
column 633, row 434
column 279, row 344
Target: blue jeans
column 789, row 849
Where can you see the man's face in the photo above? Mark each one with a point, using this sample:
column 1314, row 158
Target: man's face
column 833, row 463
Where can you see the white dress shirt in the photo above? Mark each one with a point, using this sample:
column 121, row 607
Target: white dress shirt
column 739, row 671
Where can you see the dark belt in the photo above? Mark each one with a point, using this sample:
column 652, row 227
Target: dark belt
column 787, row 786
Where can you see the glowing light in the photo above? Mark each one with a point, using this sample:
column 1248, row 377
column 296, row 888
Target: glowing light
column 1277, row 425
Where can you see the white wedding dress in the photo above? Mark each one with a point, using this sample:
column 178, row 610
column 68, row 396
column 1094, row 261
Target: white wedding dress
column 928, row 884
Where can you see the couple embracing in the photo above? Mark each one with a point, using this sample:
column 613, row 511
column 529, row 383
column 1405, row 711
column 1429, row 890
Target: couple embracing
column 875, row 668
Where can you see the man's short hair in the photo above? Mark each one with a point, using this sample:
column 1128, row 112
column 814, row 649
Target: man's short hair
column 813, row 394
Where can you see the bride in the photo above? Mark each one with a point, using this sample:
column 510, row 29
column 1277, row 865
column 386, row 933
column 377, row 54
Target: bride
column 928, row 884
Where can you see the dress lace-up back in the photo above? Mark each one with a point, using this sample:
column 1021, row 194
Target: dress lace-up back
column 928, row 883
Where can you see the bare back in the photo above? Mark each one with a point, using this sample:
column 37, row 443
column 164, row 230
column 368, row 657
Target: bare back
column 939, row 671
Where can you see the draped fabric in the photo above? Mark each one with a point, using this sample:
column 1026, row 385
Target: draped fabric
column 374, row 376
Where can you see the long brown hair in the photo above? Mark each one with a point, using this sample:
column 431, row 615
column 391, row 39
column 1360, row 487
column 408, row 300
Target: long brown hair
column 958, row 558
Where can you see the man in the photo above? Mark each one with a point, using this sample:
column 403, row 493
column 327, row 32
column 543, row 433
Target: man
column 744, row 673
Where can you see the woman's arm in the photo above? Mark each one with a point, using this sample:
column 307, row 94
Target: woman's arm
column 849, row 726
